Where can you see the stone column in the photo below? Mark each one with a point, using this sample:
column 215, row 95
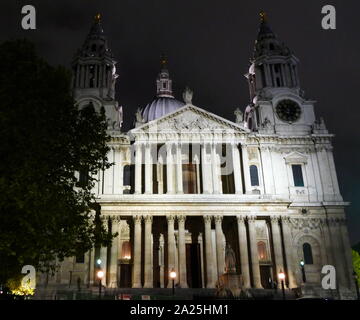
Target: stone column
column 161, row 260
column 276, row 237
column 148, row 268
column 96, row 75
column 138, row 165
column 103, row 255
column 91, row 266
column 171, row 246
column 77, row 78
column 182, row 252
column 266, row 171
column 118, row 172
column 206, row 173
column 148, row 170
column 289, row 247
column 210, row 265
column 246, row 168
column 137, row 253
column 169, row 169
column 86, row 85
column 244, row 255
column 237, row 169
column 99, row 74
column 220, row 255
column 254, row 252
column 179, row 173
column 215, row 169
column 114, row 253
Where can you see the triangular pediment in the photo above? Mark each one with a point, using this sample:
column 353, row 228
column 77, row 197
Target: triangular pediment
column 295, row 157
column 190, row 119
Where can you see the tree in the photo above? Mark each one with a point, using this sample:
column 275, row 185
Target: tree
column 45, row 140
column 356, row 264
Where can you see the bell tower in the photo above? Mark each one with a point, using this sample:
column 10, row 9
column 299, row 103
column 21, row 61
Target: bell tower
column 94, row 75
column 277, row 103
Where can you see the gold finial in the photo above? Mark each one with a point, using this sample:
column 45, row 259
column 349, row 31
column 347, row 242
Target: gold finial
column 163, row 60
column 97, row 17
column 263, row 16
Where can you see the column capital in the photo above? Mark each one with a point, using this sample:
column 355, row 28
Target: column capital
column 286, row 221
column 137, row 219
column 207, row 218
column 148, row 218
column 116, row 219
column 251, row 218
column 274, row 219
column 218, row 218
column 181, row 218
column 240, row 218
column 170, row 218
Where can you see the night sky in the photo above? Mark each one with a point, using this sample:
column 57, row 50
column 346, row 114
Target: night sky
column 209, row 44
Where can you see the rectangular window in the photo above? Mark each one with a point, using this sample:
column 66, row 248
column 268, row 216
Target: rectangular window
column 80, row 258
column 298, row 176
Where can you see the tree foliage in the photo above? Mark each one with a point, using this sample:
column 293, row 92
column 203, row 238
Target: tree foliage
column 45, row 139
column 356, row 264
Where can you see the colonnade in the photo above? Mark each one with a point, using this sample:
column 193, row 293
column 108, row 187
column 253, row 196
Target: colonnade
column 214, row 258
column 209, row 160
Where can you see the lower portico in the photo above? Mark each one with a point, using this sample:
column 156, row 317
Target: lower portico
column 190, row 239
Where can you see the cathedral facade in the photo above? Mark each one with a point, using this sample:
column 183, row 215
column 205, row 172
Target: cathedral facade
column 186, row 182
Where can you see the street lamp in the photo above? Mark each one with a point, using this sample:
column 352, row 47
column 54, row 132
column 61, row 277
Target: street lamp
column 302, row 264
column 281, row 277
column 173, row 276
column 100, row 275
column 356, row 285
column 98, row 261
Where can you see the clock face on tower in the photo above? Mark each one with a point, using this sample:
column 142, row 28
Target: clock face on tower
column 288, row 110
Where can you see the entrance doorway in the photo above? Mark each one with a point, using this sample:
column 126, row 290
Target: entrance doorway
column 266, row 279
column 125, row 275
column 193, row 265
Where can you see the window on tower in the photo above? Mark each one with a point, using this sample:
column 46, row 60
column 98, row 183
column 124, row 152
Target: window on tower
column 254, row 175
column 307, row 251
column 297, row 175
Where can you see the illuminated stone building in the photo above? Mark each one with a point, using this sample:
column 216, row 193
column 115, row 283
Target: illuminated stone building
column 186, row 181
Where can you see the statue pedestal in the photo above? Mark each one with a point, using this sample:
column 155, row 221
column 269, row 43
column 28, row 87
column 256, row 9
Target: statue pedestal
column 230, row 282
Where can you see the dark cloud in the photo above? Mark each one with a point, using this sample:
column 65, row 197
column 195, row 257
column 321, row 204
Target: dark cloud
column 209, row 44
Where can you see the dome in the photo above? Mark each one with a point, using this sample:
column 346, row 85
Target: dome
column 159, row 107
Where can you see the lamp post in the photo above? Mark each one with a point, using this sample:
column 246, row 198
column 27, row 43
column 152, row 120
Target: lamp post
column 281, row 277
column 356, row 285
column 173, row 276
column 100, row 275
column 302, row 264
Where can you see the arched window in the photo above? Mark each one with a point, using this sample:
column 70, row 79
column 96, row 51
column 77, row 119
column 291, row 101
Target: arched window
column 262, row 251
column 254, row 176
column 307, row 251
column 126, row 250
